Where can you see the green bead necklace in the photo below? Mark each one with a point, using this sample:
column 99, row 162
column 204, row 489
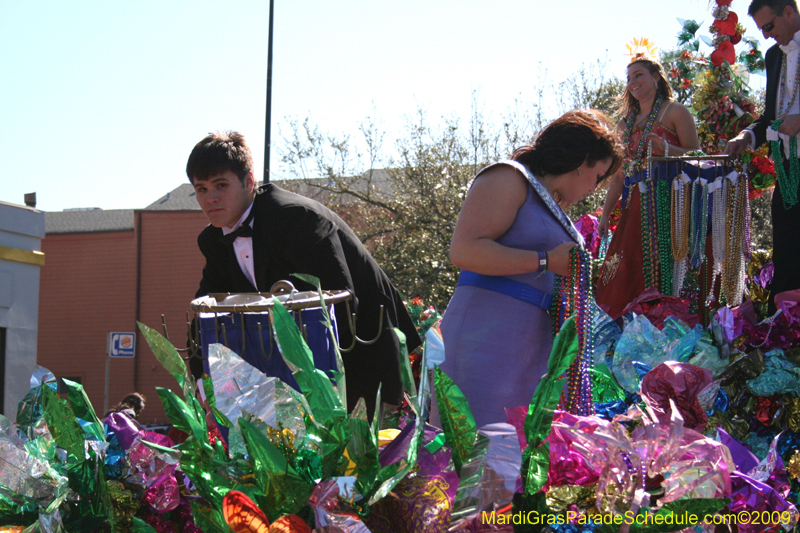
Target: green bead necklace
column 664, row 201
column 788, row 184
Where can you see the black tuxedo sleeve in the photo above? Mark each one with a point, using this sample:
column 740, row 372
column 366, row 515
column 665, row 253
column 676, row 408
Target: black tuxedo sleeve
column 772, row 60
column 311, row 245
column 213, row 279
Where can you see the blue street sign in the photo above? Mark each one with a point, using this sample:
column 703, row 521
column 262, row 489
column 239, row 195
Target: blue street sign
column 121, row 344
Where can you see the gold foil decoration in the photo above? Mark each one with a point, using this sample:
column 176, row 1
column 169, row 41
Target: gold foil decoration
column 559, row 499
column 610, row 267
column 793, row 466
column 791, row 410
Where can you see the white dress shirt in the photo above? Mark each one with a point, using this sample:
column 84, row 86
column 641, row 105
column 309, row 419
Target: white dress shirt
column 243, row 248
column 792, row 51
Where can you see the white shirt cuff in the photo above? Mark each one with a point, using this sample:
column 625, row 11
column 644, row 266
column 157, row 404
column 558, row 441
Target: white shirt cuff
column 752, row 143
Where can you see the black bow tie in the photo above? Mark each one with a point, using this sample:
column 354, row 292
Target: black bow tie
column 242, row 231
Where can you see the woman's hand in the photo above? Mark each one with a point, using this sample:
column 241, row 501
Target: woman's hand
column 558, row 258
column 738, row 144
column 659, row 143
column 602, row 225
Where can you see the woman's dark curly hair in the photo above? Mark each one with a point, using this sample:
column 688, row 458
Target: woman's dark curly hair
column 575, row 137
column 134, row 401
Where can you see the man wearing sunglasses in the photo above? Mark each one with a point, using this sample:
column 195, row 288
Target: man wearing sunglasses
column 779, row 20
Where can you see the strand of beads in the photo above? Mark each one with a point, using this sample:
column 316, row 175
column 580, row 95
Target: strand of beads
column 733, row 268
column 653, row 216
column 693, row 222
column 719, row 205
column 681, row 213
column 601, row 254
column 647, row 207
column 699, row 228
column 575, row 293
column 663, row 196
column 784, row 109
column 748, row 245
column 725, row 270
column 788, row 184
column 743, row 200
column 559, row 306
column 789, row 192
column 647, row 258
column 634, row 163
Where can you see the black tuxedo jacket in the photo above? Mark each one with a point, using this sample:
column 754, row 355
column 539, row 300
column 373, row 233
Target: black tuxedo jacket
column 293, row 234
column 772, row 61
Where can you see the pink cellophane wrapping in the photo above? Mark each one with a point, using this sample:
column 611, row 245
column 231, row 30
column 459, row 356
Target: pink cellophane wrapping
column 567, row 465
column 163, row 495
column 147, row 465
column 693, row 466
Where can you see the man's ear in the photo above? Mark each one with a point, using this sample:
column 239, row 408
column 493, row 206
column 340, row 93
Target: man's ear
column 250, row 182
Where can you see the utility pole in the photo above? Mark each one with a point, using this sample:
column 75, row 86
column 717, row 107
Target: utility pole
column 268, row 126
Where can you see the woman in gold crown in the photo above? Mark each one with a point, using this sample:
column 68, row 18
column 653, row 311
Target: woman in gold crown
column 649, row 116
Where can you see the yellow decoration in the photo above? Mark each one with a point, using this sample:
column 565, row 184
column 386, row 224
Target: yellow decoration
column 282, row 438
column 561, row 498
column 385, row 436
column 18, row 255
column 793, row 466
column 791, row 411
column 642, row 48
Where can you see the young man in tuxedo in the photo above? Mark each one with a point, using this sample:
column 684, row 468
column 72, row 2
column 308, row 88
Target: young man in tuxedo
column 260, row 235
column 779, row 20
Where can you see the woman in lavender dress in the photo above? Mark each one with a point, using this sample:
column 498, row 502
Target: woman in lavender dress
column 511, row 237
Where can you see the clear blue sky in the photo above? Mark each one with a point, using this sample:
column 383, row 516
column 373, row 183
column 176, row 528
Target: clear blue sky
column 102, row 101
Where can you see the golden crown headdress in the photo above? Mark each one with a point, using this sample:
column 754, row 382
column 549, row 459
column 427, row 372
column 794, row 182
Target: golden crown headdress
column 642, row 48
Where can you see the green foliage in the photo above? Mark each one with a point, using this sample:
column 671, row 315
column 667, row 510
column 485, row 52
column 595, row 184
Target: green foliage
column 284, row 489
column 83, row 467
column 591, row 88
column 83, row 409
column 169, row 358
column 458, row 423
column 140, row 526
column 315, row 385
column 539, row 420
column 62, row 425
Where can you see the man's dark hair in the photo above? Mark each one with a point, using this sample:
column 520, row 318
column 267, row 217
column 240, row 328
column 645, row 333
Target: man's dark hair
column 776, row 6
column 218, row 153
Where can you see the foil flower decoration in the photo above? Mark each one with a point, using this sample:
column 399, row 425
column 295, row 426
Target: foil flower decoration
column 692, row 465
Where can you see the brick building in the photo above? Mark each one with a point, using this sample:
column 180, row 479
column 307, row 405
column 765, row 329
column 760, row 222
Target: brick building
column 108, row 269
column 105, row 271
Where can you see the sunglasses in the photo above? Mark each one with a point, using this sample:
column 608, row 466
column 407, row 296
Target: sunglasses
column 769, row 26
